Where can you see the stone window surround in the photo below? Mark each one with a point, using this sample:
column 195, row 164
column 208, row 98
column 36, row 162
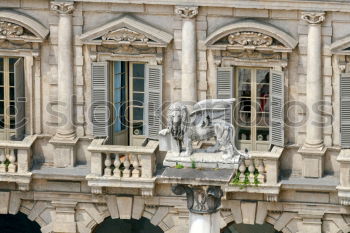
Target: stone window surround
column 32, row 70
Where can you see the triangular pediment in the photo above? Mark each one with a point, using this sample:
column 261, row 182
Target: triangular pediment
column 341, row 47
column 127, row 30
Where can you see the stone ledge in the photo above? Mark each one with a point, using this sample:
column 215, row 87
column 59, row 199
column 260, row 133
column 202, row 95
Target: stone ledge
column 21, row 179
column 103, row 181
column 261, row 188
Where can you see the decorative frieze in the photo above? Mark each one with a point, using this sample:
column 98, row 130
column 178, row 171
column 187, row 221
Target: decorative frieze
column 186, row 11
column 250, row 39
column 63, row 7
column 313, row 17
column 9, row 29
column 125, row 35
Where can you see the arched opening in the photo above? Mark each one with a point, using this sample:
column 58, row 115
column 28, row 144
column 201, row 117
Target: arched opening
column 142, row 225
column 18, row 223
column 247, row 228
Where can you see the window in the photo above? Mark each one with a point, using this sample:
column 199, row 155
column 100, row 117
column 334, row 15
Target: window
column 252, row 109
column 258, row 114
column 11, row 98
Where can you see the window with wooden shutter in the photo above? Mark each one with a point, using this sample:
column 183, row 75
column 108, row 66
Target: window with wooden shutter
column 224, row 87
column 277, row 108
column 20, row 99
column 153, row 100
column 100, row 111
column 345, row 110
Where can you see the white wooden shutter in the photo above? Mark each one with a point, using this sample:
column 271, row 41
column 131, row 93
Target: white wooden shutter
column 224, row 87
column 19, row 99
column 277, row 108
column 153, row 101
column 345, row 110
column 100, row 111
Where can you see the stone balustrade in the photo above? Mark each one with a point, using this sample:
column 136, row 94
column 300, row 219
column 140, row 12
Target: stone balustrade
column 259, row 174
column 122, row 166
column 15, row 161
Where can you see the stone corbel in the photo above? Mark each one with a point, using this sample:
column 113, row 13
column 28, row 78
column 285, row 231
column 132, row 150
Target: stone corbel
column 63, row 7
column 186, row 12
column 313, row 17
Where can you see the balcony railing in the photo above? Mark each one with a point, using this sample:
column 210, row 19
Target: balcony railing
column 259, row 174
column 15, row 161
column 122, row 166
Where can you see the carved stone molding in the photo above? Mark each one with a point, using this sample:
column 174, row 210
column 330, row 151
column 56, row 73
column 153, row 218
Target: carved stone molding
column 125, row 35
column 250, row 39
column 313, row 17
column 186, row 11
column 9, row 29
column 200, row 200
column 63, row 7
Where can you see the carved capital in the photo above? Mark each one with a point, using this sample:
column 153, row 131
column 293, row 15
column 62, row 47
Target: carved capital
column 313, row 17
column 63, row 7
column 186, row 11
column 200, row 200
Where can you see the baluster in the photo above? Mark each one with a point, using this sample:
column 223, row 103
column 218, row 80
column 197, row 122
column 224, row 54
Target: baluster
column 136, row 172
column 242, row 169
column 108, row 163
column 2, row 160
column 126, row 172
column 12, row 158
column 117, row 166
column 261, row 169
column 251, row 170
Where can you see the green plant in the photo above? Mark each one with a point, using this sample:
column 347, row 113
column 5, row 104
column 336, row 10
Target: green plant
column 7, row 163
column 179, row 166
column 246, row 182
column 193, row 164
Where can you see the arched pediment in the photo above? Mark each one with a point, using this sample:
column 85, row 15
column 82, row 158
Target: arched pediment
column 16, row 26
column 341, row 46
column 250, row 34
column 127, row 31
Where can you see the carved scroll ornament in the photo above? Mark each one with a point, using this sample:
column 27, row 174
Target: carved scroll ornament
column 125, row 35
column 250, row 39
column 10, row 29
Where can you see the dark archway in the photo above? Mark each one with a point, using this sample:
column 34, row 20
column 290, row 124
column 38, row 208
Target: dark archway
column 142, row 225
column 18, row 223
column 246, row 228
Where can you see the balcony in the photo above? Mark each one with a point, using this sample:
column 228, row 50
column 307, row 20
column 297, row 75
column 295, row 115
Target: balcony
column 15, row 161
column 123, row 166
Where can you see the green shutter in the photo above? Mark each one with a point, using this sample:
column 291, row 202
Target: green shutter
column 100, row 109
column 345, row 110
column 277, row 108
column 225, row 87
column 153, row 101
column 20, row 99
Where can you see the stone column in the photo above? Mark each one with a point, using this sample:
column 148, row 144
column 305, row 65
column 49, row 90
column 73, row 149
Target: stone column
column 189, row 53
column 65, row 129
column 65, row 138
column 203, row 204
column 313, row 149
column 314, row 132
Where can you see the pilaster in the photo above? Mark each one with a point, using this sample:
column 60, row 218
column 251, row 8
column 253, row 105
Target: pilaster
column 64, row 221
column 311, row 221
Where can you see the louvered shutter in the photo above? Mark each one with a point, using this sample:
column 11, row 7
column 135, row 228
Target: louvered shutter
column 19, row 100
column 153, row 101
column 100, row 111
column 345, row 110
column 224, row 87
column 277, row 108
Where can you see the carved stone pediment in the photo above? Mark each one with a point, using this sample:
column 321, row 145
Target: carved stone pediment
column 341, row 47
column 251, row 35
column 127, row 31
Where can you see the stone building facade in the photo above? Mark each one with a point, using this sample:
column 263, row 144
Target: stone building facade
column 84, row 83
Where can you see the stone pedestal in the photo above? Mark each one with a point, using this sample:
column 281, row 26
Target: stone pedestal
column 312, row 161
column 189, row 55
column 204, row 223
column 65, row 153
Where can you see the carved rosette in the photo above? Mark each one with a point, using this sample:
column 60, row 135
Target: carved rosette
column 9, row 29
column 200, row 200
column 63, row 7
column 125, row 35
column 250, row 39
column 186, row 12
column 313, row 17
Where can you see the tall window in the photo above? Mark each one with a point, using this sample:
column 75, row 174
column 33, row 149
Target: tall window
column 128, row 82
column 252, row 109
column 11, row 98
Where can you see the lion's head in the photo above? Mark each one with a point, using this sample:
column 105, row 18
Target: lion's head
column 178, row 119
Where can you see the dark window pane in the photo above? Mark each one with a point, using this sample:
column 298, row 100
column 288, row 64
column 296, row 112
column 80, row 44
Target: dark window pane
column 1, row 79
column 12, row 62
column 262, row 134
column 139, row 70
column 244, row 134
column 12, row 79
column 12, row 123
column 2, row 122
column 139, row 84
column 12, row 93
column 138, row 99
column 138, row 128
column 138, row 113
column 262, row 76
column 1, row 93
column 1, row 64
column 12, row 108
column 1, row 107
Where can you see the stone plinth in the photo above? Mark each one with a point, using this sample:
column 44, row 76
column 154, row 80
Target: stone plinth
column 65, row 153
column 200, row 160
